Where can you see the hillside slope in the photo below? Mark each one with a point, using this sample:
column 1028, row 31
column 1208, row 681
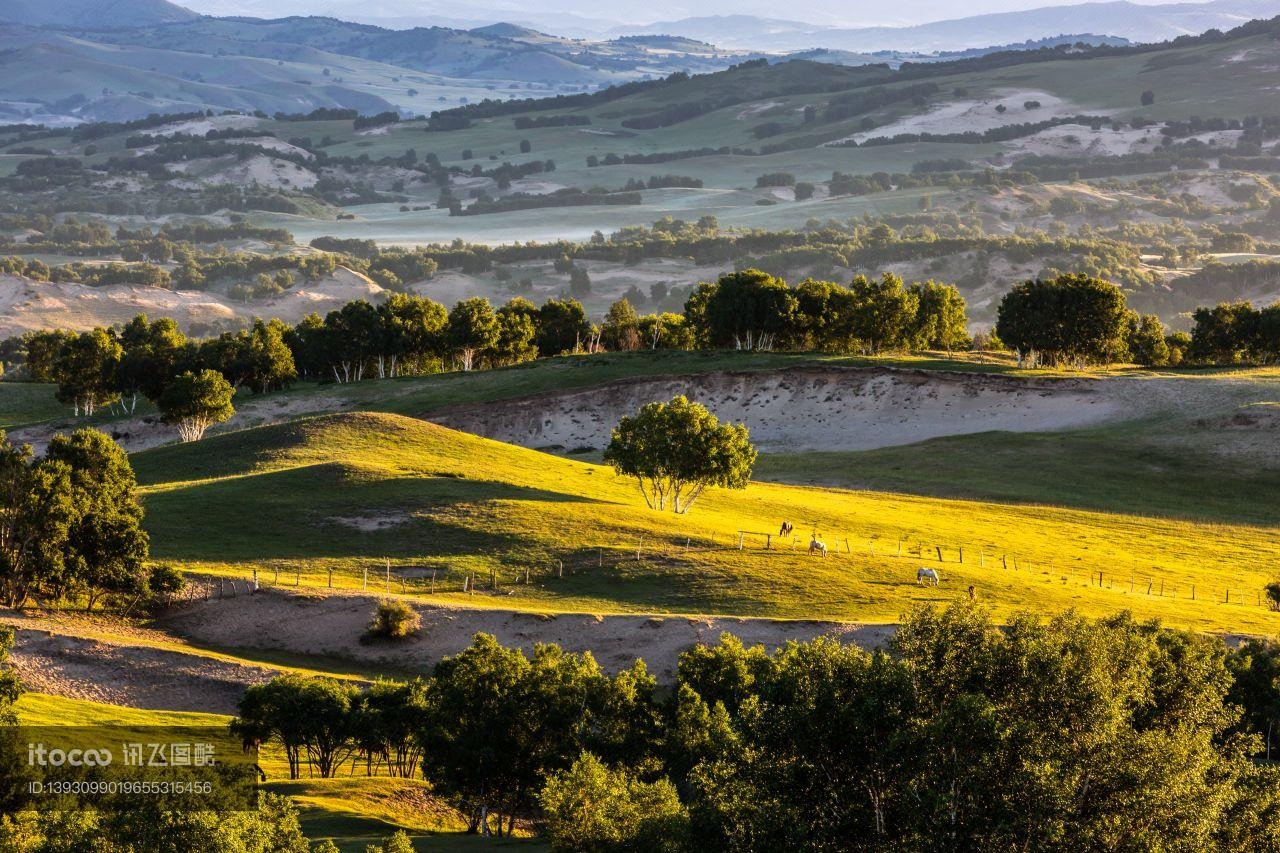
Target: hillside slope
column 346, row 492
column 95, row 14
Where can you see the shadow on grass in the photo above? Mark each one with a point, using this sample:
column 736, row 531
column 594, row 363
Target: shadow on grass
column 333, row 510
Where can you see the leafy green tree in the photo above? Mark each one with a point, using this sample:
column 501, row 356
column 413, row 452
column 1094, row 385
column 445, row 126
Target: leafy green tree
column 107, row 548
column 749, row 310
column 413, row 330
column 471, row 738
column 621, row 328
column 665, row 331
column 266, row 362
column 1222, row 334
column 13, row 774
column 591, row 808
column 473, row 330
column 152, row 352
column 1255, row 688
column 884, row 314
column 37, row 511
column 579, row 282
column 193, row 402
column 562, row 327
column 941, row 321
column 312, row 718
column 676, row 450
column 517, row 330
column 1072, row 318
column 85, row 370
column 42, row 350
column 1147, row 341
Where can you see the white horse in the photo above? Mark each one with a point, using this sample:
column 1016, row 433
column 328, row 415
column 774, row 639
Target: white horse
column 816, row 547
column 927, row 575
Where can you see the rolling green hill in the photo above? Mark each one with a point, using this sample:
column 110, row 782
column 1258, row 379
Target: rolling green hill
column 344, row 493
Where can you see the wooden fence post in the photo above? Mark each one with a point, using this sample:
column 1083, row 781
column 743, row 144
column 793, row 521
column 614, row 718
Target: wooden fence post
column 330, row 578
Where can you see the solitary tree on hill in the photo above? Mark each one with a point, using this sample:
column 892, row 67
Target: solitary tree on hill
column 675, row 450
column 193, row 402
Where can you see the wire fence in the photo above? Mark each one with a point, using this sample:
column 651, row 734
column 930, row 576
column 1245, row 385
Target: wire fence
column 684, row 551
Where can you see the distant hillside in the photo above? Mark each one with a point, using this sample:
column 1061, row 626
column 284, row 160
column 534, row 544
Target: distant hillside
column 1128, row 20
column 94, row 14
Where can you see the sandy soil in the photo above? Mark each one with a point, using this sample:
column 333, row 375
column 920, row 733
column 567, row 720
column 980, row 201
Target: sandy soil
column 974, row 115
column 52, row 656
column 332, row 626
column 260, row 170
column 27, row 305
column 805, row 409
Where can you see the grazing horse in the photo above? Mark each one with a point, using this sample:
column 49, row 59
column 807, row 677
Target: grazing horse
column 927, row 575
column 785, row 530
column 816, row 547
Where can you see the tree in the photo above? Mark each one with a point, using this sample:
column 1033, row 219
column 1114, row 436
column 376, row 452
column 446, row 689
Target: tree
column 193, row 402
column 517, row 329
column 1148, row 98
column 562, row 327
column 591, row 808
column 579, row 282
column 1222, row 334
column 748, row 310
column 884, row 314
column 940, row 321
column 676, row 450
column 473, row 330
column 107, row 549
column 152, row 352
column 621, row 327
column 1147, row 341
column 265, row 360
column 37, row 510
column 85, row 370
column 1072, row 318
column 313, row 719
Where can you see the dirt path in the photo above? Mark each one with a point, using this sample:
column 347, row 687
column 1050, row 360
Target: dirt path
column 333, row 625
column 51, row 656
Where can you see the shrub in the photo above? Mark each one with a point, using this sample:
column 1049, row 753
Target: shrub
column 394, row 620
column 592, row 808
column 1273, row 594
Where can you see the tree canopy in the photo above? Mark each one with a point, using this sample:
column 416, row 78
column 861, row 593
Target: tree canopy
column 676, row 450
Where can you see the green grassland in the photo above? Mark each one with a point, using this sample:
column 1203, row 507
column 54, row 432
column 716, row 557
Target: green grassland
column 294, row 495
column 352, row 811
column 23, row 403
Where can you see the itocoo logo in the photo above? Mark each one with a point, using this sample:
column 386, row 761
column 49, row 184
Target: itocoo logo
column 38, row 755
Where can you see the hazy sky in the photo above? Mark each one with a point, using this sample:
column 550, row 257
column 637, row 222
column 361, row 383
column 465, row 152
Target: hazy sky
column 817, row 11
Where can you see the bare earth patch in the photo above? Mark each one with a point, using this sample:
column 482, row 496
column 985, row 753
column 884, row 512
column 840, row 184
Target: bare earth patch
column 333, row 626
column 804, row 409
column 50, row 658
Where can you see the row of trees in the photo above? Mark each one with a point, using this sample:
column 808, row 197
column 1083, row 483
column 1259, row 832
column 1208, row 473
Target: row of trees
column 751, row 309
column 1235, row 333
column 1047, row 734
column 71, row 525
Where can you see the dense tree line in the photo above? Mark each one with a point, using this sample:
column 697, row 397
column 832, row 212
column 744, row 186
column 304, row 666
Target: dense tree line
column 1079, row 320
column 754, row 310
column 1236, row 333
column 1060, row 733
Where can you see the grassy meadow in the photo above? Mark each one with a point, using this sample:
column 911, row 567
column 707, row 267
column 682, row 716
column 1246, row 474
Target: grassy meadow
column 349, row 492
column 351, row 810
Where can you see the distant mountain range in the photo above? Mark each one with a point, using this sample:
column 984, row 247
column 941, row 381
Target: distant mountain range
column 94, row 13
column 1123, row 19
column 748, row 24
column 78, row 60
